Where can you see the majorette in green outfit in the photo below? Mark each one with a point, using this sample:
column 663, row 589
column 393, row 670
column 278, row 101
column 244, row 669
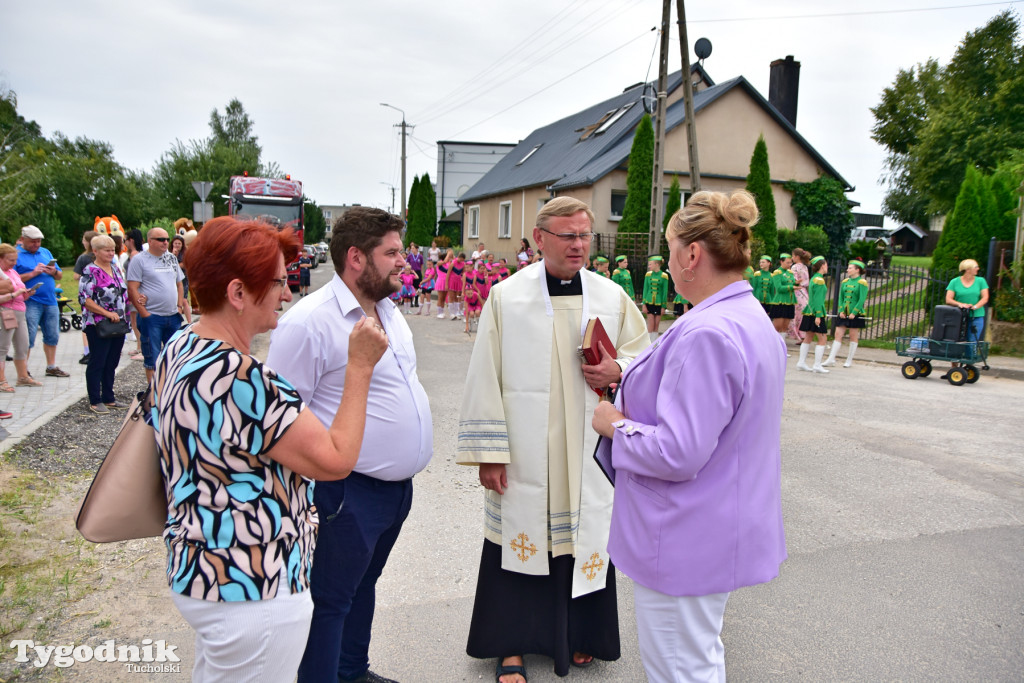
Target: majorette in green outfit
column 601, row 266
column 655, row 294
column 815, row 319
column 761, row 282
column 783, row 302
column 622, row 277
column 853, row 296
column 656, row 287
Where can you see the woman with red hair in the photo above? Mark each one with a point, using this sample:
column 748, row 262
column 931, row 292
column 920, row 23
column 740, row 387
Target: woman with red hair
column 238, row 451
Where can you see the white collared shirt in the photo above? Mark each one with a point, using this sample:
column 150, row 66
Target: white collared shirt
column 309, row 348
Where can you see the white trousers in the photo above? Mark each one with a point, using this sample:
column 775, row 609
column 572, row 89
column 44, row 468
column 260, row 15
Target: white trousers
column 680, row 637
column 258, row 641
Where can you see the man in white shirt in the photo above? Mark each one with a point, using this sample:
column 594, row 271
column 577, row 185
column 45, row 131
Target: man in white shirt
column 480, row 251
column 362, row 515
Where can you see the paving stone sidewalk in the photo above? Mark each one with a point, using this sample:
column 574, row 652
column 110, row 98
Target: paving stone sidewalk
column 35, row 406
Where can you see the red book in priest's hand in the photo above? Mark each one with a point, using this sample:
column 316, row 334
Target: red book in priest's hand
column 594, row 337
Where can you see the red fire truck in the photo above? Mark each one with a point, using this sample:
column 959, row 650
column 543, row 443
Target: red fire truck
column 275, row 200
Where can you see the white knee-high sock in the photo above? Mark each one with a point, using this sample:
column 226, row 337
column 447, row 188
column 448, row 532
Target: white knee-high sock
column 802, row 363
column 819, row 351
column 849, row 356
column 836, row 345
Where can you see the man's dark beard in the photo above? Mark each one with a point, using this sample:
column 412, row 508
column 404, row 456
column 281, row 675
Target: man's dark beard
column 375, row 285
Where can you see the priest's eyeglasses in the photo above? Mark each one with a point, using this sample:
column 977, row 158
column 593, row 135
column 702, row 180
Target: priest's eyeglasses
column 571, row 236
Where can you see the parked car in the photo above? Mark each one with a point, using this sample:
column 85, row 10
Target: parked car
column 871, row 234
column 311, row 250
column 324, row 251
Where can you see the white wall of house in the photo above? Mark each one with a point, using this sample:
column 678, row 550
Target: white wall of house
column 460, row 165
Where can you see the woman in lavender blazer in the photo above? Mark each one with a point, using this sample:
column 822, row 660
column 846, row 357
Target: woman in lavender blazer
column 695, row 448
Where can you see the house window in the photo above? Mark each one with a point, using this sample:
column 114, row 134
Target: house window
column 473, row 218
column 618, row 204
column 612, row 119
column 529, row 154
column 505, row 220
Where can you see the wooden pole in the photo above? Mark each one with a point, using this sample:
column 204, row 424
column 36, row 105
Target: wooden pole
column 654, row 242
column 691, row 125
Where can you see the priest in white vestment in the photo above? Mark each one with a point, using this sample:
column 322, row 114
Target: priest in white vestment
column 546, row 585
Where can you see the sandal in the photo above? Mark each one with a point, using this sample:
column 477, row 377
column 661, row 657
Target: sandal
column 587, row 660
column 7, row 388
column 503, row 670
column 29, row 382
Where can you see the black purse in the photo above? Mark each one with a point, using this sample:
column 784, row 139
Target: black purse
column 107, row 328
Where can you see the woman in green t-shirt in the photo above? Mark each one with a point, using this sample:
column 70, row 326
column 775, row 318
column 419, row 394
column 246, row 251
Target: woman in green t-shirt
column 970, row 291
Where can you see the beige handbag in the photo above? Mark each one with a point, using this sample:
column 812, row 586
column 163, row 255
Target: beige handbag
column 127, row 498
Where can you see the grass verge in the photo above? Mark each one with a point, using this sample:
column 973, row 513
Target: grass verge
column 41, row 572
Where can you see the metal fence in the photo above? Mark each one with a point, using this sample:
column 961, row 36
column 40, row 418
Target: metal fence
column 901, row 298
column 631, row 245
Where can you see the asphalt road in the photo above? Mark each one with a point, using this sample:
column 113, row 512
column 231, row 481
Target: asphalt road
column 903, row 502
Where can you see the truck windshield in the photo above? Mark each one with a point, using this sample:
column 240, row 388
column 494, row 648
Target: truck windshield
column 278, row 213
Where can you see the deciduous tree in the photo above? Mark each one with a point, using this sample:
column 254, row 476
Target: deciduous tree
column 822, row 202
column 934, row 120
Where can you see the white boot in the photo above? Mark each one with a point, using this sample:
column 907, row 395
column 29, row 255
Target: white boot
column 782, row 336
column 406, row 307
column 849, row 356
column 819, row 351
column 425, row 309
column 802, row 363
column 653, row 336
column 832, row 355
column 440, row 310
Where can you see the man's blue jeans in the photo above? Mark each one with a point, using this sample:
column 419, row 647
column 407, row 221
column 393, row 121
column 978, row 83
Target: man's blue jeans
column 156, row 330
column 45, row 316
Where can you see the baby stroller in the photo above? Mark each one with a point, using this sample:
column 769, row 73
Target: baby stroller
column 64, row 306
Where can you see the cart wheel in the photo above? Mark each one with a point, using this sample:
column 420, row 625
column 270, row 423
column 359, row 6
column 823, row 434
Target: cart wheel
column 972, row 374
column 910, row 370
column 925, row 367
column 65, row 325
column 76, row 322
column 957, row 376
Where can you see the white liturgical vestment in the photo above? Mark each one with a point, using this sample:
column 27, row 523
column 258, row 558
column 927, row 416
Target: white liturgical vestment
column 528, row 406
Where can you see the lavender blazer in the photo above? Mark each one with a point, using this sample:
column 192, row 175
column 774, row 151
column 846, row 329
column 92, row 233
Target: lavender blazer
column 698, row 506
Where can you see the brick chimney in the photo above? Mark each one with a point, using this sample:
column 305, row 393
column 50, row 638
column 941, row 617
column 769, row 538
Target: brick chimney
column 784, row 86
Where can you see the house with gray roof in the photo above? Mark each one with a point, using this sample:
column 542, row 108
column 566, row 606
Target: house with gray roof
column 586, row 155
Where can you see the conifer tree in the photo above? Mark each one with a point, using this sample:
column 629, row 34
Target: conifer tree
column 636, row 216
column 964, row 235
column 759, row 184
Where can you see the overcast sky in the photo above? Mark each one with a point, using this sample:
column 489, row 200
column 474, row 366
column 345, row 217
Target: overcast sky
column 311, row 73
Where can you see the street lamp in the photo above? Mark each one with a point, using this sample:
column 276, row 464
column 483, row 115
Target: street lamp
column 403, row 125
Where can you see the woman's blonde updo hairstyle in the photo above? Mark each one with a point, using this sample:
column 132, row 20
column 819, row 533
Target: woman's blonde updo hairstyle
column 722, row 222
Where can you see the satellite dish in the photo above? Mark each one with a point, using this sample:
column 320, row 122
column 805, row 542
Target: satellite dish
column 702, row 48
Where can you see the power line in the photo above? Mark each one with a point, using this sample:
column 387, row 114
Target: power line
column 852, row 14
column 535, row 60
column 501, row 59
column 553, row 84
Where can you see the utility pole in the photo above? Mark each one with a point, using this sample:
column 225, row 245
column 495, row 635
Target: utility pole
column 691, row 125
column 392, row 194
column 403, row 126
column 654, row 242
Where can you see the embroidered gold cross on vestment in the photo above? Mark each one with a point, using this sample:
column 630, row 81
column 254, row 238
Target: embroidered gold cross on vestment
column 592, row 566
column 523, row 551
